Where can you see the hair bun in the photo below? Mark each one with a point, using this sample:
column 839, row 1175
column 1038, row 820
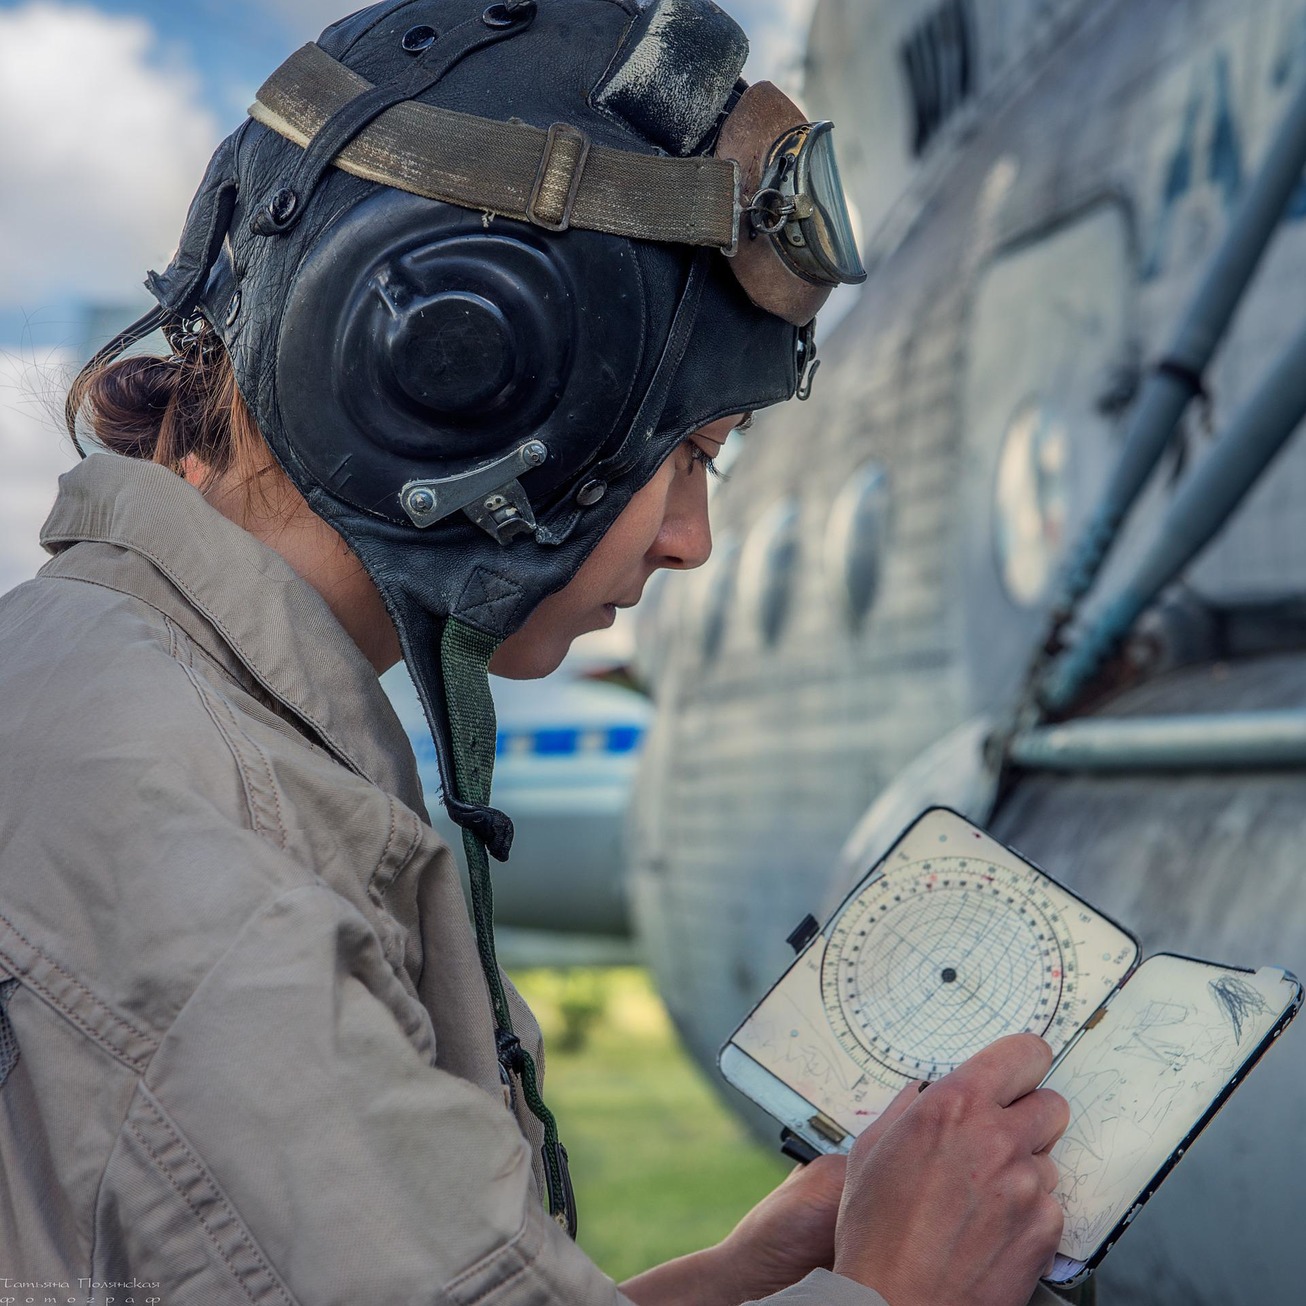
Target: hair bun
column 128, row 401
column 165, row 409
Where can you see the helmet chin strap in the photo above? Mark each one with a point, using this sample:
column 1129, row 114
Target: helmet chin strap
column 449, row 659
column 464, row 662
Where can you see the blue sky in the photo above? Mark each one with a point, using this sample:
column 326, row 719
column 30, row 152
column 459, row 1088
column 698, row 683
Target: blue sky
column 109, row 111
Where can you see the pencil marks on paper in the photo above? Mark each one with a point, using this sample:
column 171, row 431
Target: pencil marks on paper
column 1142, row 1079
column 1239, row 1000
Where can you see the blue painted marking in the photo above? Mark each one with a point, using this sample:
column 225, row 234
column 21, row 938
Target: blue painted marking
column 1190, row 168
column 556, row 743
column 561, row 741
column 624, row 739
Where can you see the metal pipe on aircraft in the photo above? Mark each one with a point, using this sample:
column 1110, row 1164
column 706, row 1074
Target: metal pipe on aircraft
column 1200, row 509
column 1178, row 378
column 1206, row 741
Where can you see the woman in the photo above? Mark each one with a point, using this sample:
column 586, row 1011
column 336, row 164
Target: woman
column 451, row 353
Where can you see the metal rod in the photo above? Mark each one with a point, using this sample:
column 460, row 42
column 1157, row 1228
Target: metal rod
column 1200, row 509
column 1182, row 743
column 1170, row 387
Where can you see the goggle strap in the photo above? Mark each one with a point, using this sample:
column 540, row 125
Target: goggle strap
column 423, row 149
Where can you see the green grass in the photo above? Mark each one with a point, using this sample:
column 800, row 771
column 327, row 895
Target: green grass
column 660, row 1167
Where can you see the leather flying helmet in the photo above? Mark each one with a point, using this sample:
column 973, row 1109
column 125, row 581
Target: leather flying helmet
column 479, row 270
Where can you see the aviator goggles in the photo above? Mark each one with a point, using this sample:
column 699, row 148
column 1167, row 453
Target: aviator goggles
column 769, row 196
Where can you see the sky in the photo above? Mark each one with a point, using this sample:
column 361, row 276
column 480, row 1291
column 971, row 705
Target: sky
column 109, row 112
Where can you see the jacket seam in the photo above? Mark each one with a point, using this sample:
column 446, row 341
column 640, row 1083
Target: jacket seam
column 512, row 1247
column 266, row 766
column 375, row 884
column 24, row 974
column 259, row 821
column 165, row 1122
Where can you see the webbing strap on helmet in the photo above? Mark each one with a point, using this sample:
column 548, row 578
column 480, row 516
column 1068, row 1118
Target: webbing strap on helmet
column 288, row 199
column 509, row 168
column 464, row 658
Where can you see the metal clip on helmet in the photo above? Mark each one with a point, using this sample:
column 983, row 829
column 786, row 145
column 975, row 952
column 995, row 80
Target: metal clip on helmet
column 473, row 310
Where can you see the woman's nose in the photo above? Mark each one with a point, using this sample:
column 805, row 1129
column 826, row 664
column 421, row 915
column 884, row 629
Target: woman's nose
column 685, row 540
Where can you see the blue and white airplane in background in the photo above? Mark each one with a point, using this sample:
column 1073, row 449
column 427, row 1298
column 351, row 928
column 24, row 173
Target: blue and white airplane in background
column 566, row 754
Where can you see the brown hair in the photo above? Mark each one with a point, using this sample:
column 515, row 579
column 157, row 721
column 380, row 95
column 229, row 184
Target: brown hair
column 166, row 409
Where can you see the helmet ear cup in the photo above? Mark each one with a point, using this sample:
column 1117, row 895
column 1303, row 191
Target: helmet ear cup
column 420, row 341
column 465, row 330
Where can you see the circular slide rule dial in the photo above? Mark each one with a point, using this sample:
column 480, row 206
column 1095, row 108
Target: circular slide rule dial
column 935, row 959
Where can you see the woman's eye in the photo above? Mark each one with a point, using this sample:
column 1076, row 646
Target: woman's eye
column 698, row 455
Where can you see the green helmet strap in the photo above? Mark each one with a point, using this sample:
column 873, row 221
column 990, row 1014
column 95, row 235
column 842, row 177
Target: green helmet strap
column 465, row 658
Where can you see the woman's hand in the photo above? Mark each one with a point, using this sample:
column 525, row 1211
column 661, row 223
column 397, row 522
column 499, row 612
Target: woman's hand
column 953, row 1202
column 789, row 1233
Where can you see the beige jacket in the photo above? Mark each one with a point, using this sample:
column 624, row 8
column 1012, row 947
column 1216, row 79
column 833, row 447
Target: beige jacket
column 254, row 1050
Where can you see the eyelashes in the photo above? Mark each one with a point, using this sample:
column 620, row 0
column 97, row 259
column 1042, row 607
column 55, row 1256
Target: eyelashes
column 697, row 455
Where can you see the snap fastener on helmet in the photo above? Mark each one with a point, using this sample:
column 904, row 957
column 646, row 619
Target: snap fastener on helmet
column 590, row 493
column 277, row 214
column 507, row 12
column 417, row 39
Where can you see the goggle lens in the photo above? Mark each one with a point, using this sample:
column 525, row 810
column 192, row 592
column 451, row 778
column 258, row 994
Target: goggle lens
column 831, row 237
column 796, row 240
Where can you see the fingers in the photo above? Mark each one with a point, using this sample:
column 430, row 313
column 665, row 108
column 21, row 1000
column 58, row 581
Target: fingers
column 1048, row 1174
column 884, row 1121
column 1008, row 1069
column 823, row 1172
column 1041, row 1118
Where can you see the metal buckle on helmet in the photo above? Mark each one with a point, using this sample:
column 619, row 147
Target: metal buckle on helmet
column 807, row 361
column 490, row 495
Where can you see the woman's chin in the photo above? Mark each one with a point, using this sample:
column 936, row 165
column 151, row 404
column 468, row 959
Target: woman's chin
column 529, row 659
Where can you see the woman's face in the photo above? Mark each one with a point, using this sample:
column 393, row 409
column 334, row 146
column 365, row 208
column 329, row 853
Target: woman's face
column 664, row 525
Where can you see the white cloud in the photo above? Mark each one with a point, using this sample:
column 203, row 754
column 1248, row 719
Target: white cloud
column 777, row 36
column 101, row 151
column 33, row 452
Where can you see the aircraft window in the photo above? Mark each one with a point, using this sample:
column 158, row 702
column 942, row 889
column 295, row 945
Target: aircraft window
column 938, row 59
column 1051, row 328
column 720, row 597
column 771, row 567
column 1031, row 500
column 858, row 535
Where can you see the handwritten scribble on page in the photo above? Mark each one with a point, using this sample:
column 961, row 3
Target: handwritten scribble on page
column 1140, row 1080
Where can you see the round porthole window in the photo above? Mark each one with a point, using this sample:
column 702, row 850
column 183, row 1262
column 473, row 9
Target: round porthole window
column 771, row 568
column 857, row 540
column 1031, row 501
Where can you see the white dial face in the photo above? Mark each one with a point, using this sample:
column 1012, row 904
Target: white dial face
column 936, row 958
column 951, row 942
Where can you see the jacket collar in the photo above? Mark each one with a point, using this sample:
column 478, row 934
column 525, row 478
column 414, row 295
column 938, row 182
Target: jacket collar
column 277, row 626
